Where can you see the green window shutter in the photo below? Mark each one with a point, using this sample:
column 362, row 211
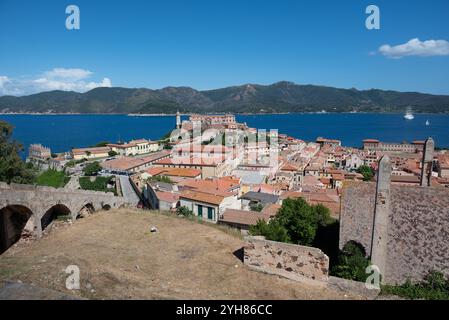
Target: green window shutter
column 210, row 213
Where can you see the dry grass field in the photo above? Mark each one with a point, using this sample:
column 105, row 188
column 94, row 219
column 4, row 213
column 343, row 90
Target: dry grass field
column 119, row 258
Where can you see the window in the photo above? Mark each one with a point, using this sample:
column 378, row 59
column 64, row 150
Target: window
column 200, row 211
column 210, row 213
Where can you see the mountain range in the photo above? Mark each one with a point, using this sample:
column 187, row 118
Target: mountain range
column 280, row 97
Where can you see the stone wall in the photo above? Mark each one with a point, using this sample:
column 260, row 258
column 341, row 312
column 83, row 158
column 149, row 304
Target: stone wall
column 417, row 233
column 39, row 200
column 357, row 214
column 287, row 260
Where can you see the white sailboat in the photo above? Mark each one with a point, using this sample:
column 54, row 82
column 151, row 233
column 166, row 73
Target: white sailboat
column 427, row 123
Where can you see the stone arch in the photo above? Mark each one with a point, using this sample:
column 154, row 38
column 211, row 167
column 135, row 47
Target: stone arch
column 51, row 214
column 86, row 209
column 106, row 207
column 14, row 222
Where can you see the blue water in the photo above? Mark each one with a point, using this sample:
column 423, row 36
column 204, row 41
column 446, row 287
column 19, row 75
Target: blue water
column 62, row 132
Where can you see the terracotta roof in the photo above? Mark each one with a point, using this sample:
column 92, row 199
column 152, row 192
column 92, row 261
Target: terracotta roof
column 198, row 161
column 271, row 209
column 123, row 164
column 174, row 172
column 91, row 150
column 154, row 171
column 405, row 179
column 371, row 141
column 242, row 217
column 225, row 187
column 167, row 196
column 289, row 167
column 338, row 176
column 202, row 197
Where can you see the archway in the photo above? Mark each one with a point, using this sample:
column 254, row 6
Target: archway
column 13, row 223
column 54, row 212
column 106, row 207
column 87, row 209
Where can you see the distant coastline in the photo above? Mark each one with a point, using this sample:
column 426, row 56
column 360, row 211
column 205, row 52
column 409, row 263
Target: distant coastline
column 213, row 113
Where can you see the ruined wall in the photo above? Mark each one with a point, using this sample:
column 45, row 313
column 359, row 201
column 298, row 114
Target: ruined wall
column 288, row 260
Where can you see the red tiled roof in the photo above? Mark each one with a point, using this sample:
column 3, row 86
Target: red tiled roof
column 91, row 150
column 167, row 196
column 202, row 197
column 242, row 217
column 271, row 209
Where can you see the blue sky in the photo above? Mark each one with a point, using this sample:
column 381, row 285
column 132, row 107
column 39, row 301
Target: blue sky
column 212, row 44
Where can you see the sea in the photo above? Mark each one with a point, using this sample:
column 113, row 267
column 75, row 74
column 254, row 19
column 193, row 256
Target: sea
column 63, row 132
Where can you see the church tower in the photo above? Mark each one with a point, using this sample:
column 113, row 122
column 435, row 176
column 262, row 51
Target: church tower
column 178, row 120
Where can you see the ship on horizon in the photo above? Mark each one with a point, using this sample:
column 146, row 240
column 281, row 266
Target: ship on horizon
column 409, row 115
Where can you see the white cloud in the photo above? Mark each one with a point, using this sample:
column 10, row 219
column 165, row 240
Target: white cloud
column 3, row 81
column 73, row 74
column 55, row 79
column 415, row 47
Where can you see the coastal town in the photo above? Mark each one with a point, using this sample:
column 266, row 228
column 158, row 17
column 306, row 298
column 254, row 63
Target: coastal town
column 382, row 205
column 239, row 181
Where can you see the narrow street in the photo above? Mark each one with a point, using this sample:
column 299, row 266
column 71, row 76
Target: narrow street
column 128, row 192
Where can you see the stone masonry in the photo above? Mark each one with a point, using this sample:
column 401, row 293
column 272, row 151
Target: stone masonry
column 404, row 229
column 37, row 201
column 291, row 261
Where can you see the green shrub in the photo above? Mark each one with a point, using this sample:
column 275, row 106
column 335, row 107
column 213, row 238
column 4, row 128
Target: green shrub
column 184, row 211
column 160, row 179
column 52, row 178
column 273, row 231
column 352, row 263
column 98, row 184
column 92, row 168
column 296, row 222
column 367, row 172
column 434, row 287
column 257, row 207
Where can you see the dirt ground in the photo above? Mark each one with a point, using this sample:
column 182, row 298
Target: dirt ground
column 119, row 258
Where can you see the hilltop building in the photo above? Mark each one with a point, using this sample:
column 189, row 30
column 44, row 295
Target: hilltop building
column 38, row 152
column 376, row 145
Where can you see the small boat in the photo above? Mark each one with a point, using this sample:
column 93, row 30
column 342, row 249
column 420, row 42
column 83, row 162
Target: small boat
column 409, row 115
column 427, row 123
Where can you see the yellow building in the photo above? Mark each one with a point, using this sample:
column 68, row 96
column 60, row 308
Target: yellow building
column 90, row 153
column 135, row 147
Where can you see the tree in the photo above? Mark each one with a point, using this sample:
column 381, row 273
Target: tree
column 184, row 211
column 367, row 172
column 112, row 153
column 300, row 220
column 271, row 231
column 101, row 144
column 352, row 262
column 12, row 168
column 257, row 207
column 296, row 222
column 92, row 169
